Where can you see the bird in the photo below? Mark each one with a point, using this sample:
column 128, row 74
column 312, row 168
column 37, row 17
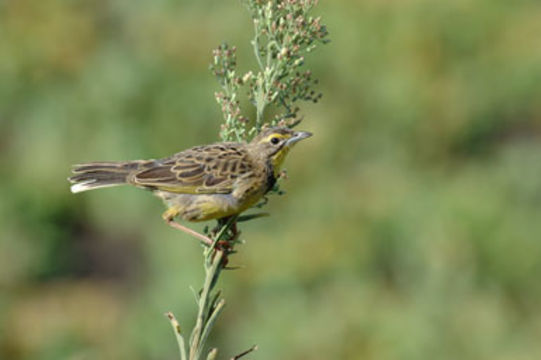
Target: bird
column 202, row 183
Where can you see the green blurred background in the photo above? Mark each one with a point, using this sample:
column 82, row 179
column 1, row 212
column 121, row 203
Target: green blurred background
column 412, row 220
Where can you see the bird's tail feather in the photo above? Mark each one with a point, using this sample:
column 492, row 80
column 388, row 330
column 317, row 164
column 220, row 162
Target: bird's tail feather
column 97, row 175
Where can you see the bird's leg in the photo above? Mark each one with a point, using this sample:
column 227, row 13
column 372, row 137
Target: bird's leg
column 205, row 240
column 169, row 217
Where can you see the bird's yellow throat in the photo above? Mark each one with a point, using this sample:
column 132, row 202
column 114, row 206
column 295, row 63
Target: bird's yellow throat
column 278, row 159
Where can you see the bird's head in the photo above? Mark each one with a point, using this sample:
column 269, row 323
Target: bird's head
column 274, row 144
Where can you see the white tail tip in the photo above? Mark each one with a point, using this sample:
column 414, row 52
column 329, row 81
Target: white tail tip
column 80, row 187
column 89, row 185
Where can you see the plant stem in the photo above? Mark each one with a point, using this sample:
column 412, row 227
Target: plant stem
column 212, row 272
column 210, row 304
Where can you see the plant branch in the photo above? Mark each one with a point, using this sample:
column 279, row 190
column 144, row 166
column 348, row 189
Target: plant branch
column 212, row 271
column 210, row 303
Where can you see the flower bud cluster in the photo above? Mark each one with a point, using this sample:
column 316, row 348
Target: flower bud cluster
column 285, row 33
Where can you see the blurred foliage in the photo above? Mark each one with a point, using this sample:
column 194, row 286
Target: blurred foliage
column 410, row 229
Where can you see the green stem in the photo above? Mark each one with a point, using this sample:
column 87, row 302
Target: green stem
column 211, row 274
column 209, row 306
column 211, row 319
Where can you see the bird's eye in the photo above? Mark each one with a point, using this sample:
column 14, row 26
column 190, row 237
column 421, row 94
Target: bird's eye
column 274, row 140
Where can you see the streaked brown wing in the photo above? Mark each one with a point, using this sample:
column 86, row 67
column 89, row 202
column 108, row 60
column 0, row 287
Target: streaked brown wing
column 210, row 169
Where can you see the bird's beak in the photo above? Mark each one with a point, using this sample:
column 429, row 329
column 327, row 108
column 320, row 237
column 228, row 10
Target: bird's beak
column 298, row 136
